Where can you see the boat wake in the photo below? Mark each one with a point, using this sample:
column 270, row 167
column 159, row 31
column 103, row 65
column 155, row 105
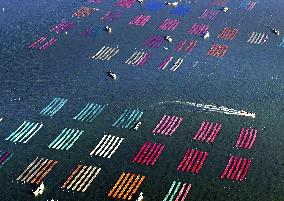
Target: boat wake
column 212, row 108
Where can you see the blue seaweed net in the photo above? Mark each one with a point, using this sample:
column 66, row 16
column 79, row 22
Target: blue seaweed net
column 97, row 31
column 181, row 10
column 154, row 6
column 244, row 4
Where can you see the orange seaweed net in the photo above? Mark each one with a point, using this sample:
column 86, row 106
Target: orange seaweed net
column 126, row 186
column 218, row 50
column 228, row 33
column 84, row 12
column 81, row 178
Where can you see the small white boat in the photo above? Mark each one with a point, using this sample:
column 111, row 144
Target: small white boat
column 137, row 125
column 169, row 38
column 225, row 9
column 174, row 4
column 277, row 32
column 112, row 75
column 206, row 35
column 108, row 29
column 140, row 198
column 39, row 190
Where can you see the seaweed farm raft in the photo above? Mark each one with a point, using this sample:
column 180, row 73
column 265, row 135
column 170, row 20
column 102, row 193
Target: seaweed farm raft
column 177, row 100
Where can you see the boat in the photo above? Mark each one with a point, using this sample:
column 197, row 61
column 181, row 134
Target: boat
column 112, row 75
column 39, row 190
column 140, row 197
column 137, row 125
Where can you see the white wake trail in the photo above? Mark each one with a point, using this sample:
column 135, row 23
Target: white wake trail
column 212, row 108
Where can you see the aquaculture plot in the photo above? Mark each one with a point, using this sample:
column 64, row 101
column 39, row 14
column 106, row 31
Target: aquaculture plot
column 153, row 6
column 66, row 139
column 149, row 153
column 128, row 119
column 140, row 20
column 88, row 31
column 63, row 26
column 25, row 132
column 209, row 14
column 5, row 156
column 246, row 138
column 208, row 131
column 193, row 161
column 53, row 107
column 89, row 113
column 228, row 33
column 42, row 43
column 107, row 146
column 93, row 30
column 177, row 191
column 36, row 171
column 138, row 58
column 236, row 168
column 219, row 2
column 258, row 38
column 247, row 5
column 218, row 50
column 106, row 53
column 167, row 125
column 81, row 178
column 186, row 46
column 83, row 12
column 180, row 10
column 169, row 24
column 198, row 29
column 168, row 60
column 111, row 16
column 154, row 41
column 125, row 3
column 126, row 186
